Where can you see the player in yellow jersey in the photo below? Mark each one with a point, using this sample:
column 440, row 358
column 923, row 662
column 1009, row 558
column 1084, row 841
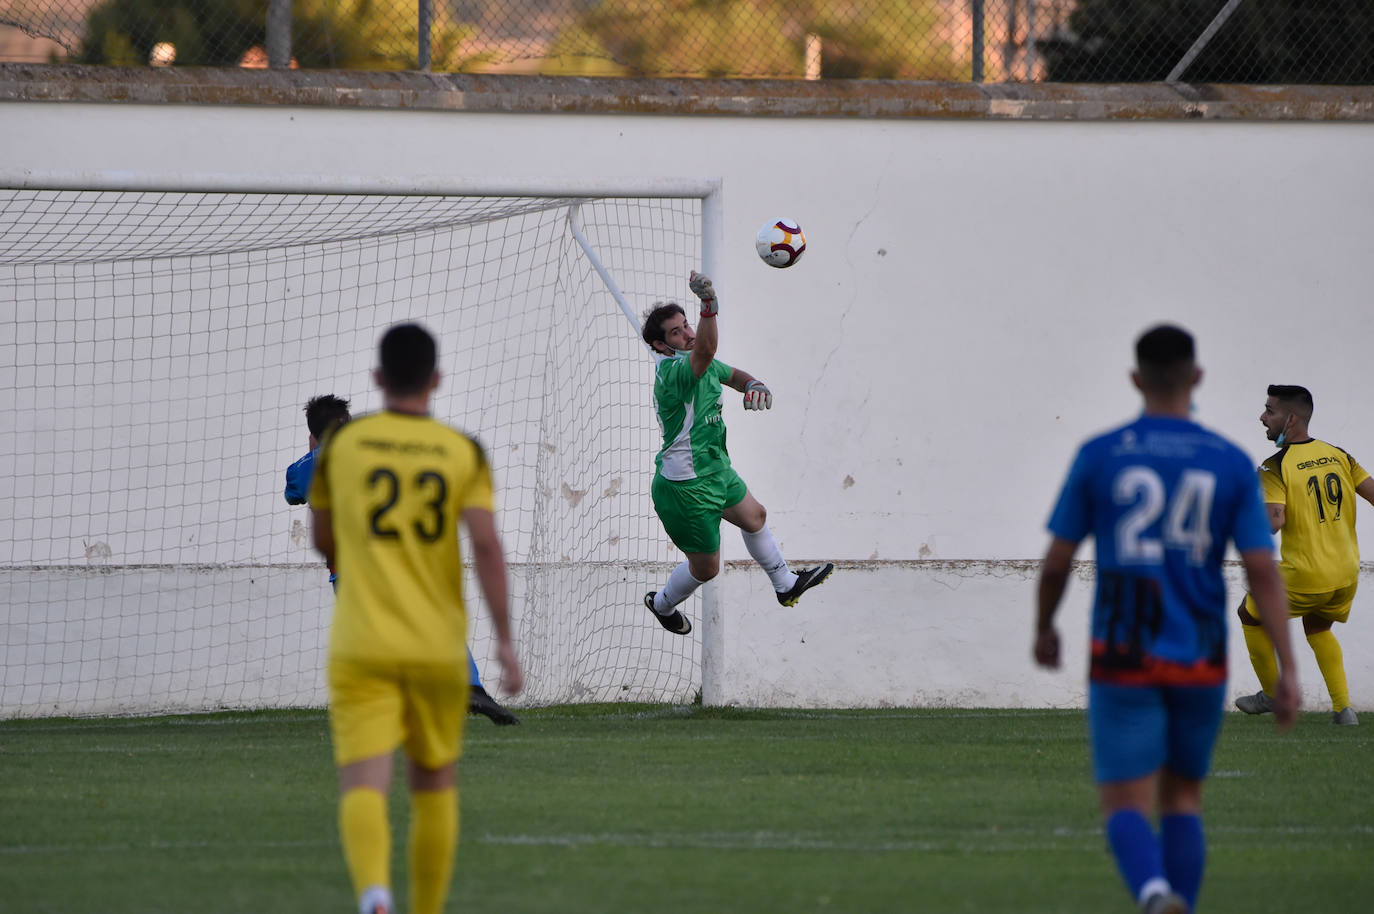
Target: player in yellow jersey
column 1308, row 489
column 324, row 414
column 388, row 493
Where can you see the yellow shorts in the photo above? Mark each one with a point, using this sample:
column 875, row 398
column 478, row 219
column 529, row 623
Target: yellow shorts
column 1334, row 605
column 375, row 707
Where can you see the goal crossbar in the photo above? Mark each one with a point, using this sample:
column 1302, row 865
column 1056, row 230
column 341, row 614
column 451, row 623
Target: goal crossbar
column 422, row 185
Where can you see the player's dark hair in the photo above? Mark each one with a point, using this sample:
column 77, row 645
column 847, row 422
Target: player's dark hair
column 1298, row 399
column 654, row 320
column 409, row 357
column 325, row 412
column 1164, row 356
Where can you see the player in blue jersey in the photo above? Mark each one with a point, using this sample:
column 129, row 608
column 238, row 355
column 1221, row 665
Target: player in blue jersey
column 323, row 414
column 1161, row 497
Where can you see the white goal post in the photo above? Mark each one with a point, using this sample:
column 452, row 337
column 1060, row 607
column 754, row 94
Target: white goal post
column 161, row 334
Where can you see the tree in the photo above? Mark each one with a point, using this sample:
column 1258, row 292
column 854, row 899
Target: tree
column 1264, row 41
column 373, row 35
column 123, row 32
column 874, row 39
column 345, row 34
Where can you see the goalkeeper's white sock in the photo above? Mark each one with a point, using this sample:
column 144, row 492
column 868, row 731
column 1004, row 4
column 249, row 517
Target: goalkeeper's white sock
column 680, row 586
column 764, row 548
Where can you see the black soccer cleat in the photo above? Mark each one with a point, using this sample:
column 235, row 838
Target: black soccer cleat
column 806, row 579
column 675, row 621
column 479, row 702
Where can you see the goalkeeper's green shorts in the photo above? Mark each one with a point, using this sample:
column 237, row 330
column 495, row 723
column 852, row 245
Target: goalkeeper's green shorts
column 691, row 509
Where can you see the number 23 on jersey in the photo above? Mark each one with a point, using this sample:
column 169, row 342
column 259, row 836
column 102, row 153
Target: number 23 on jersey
column 410, row 502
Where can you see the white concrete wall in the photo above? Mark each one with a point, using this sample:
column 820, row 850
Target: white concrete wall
column 955, row 634
column 962, row 318
column 131, row 639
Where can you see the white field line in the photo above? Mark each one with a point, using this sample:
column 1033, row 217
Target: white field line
column 6, row 752
column 486, row 742
column 673, row 712
column 476, row 734
column 857, row 714
column 978, row 840
column 1354, row 740
column 8, row 742
column 218, row 719
column 134, row 723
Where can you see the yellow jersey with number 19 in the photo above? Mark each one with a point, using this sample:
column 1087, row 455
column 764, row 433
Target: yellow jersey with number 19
column 396, row 486
column 1315, row 482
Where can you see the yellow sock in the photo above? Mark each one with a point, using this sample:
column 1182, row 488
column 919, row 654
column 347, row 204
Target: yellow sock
column 433, row 846
column 1262, row 657
column 366, row 837
column 1331, row 661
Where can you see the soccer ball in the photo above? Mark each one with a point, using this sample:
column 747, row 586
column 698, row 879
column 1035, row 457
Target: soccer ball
column 780, row 243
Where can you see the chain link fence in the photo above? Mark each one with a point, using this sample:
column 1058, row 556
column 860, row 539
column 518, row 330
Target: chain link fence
column 1223, row 41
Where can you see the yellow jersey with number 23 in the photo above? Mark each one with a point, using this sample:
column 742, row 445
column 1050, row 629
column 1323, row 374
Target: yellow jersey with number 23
column 396, row 486
column 1315, row 482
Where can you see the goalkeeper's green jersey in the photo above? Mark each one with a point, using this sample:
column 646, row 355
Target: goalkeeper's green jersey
column 689, row 416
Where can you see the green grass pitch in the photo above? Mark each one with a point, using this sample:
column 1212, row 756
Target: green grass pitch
column 659, row 809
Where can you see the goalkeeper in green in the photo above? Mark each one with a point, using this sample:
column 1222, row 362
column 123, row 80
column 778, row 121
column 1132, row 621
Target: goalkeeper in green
column 694, row 484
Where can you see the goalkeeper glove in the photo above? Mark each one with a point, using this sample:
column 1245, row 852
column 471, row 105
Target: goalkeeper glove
column 757, row 396
column 700, row 284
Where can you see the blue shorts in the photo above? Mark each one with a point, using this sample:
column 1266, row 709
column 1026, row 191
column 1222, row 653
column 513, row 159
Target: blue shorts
column 1136, row 730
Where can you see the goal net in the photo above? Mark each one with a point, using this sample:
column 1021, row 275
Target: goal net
column 159, row 348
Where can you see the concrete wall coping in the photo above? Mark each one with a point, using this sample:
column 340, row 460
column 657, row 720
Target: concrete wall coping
column 417, row 91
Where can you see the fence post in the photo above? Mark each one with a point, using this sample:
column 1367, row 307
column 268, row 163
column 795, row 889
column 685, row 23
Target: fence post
column 279, row 34
column 977, row 41
column 426, row 16
column 813, row 56
column 1202, row 41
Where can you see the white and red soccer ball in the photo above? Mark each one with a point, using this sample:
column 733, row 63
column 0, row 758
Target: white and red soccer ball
column 780, row 243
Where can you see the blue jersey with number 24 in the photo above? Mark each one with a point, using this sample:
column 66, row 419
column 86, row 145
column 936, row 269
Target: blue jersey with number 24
column 1161, row 498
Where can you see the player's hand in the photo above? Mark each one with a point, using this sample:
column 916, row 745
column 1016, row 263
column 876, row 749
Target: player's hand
column 701, row 287
column 512, row 678
column 1286, row 701
column 1047, row 648
column 757, row 396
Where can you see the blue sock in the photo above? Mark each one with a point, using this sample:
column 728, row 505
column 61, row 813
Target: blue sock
column 1136, row 850
column 1185, row 854
column 474, row 677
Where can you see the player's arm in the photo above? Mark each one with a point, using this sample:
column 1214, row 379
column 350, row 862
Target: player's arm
column 738, row 379
column 1054, row 580
column 708, row 335
column 294, row 493
column 297, row 483
column 756, row 393
column 322, row 532
column 1274, row 494
column 1366, row 489
column 490, row 561
column 1262, row 576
